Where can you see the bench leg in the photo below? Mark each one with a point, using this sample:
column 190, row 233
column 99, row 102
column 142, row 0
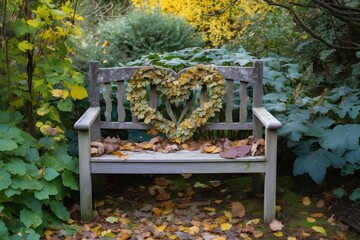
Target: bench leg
column 270, row 176
column 85, row 176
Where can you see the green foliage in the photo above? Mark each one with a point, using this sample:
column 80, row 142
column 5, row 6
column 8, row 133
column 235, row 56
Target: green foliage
column 128, row 37
column 38, row 83
column 32, row 180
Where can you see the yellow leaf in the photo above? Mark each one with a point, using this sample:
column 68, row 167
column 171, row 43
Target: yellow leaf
column 218, row 201
column 306, row 201
column 258, row 234
column 253, row 221
column 78, row 92
column 194, row 230
column 317, row 215
column 228, row 215
column 34, row 22
column 161, row 228
column 291, row 238
column 25, row 45
column 225, row 226
column 310, row 219
column 278, row 234
column 63, row 93
column 277, row 208
column 319, row 229
column 210, row 209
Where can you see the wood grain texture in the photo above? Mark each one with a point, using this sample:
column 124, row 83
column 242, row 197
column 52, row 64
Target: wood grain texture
column 229, row 101
column 120, row 95
column 244, row 99
column 108, row 102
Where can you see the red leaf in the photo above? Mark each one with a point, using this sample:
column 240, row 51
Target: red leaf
column 231, row 153
column 243, row 150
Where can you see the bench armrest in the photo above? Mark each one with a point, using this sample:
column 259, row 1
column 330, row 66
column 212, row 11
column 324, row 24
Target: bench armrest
column 266, row 118
column 87, row 119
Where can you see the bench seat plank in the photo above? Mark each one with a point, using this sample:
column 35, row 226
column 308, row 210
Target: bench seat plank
column 170, row 163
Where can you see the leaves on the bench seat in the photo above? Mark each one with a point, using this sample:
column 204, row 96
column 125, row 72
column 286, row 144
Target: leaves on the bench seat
column 224, row 147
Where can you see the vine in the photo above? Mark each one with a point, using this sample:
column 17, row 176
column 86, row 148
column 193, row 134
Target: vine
column 176, row 92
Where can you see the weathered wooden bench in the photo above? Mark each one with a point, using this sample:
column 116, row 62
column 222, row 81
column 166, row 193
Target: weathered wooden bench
column 148, row 162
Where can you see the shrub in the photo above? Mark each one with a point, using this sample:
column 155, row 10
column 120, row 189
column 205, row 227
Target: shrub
column 127, row 38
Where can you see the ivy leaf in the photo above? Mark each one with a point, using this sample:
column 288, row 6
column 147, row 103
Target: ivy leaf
column 78, row 92
column 29, row 218
column 59, row 210
column 315, row 164
column 5, row 179
column 342, row 138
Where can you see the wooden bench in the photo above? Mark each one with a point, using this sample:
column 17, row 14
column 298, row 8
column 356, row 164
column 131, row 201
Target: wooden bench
column 262, row 124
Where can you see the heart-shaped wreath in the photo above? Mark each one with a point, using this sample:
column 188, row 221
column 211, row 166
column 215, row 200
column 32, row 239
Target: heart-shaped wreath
column 176, row 91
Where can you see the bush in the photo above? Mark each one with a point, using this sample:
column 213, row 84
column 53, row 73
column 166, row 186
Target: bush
column 127, row 38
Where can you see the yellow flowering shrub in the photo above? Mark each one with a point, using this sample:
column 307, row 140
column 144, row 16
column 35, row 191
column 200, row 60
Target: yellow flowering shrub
column 217, row 30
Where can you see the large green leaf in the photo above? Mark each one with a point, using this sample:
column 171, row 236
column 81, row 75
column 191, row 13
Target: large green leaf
column 59, row 210
column 4, row 235
column 30, row 218
column 355, row 195
column 27, row 183
column 69, row 180
column 342, row 138
column 315, row 164
column 16, row 167
column 5, row 179
column 50, row 174
column 7, row 145
column 48, row 190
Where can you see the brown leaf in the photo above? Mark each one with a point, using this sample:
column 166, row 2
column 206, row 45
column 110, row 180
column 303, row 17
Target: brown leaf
column 171, row 148
column 121, row 155
column 163, row 196
column 99, row 146
column 320, row 203
column 238, row 209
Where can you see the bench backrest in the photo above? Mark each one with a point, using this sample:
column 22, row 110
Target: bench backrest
column 237, row 79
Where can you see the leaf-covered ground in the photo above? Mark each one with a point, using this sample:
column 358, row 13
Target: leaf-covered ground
column 201, row 207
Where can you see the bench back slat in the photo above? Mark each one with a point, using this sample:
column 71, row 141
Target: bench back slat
column 120, row 99
column 244, row 99
column 229, row 101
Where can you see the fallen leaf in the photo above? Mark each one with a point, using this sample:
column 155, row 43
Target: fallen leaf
column 320, row 203
column 319, row 230
column 225, row 226
column 253, row 221
column 112, row 219
column 277, row 208
column 243, row 150
column 331, row 220
column 311, row 220
column 291, row 238
column 232, row 153
column 194, row 230
column 276, row 225
column 160, row 228
column 306, row 201
column 200, row 185
column 163, row 196
column 258, row 234
column 186, row 175
column 228, row 215
column 238, row 209
column 210, row 209
column 278, row 234
column 317, row 215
